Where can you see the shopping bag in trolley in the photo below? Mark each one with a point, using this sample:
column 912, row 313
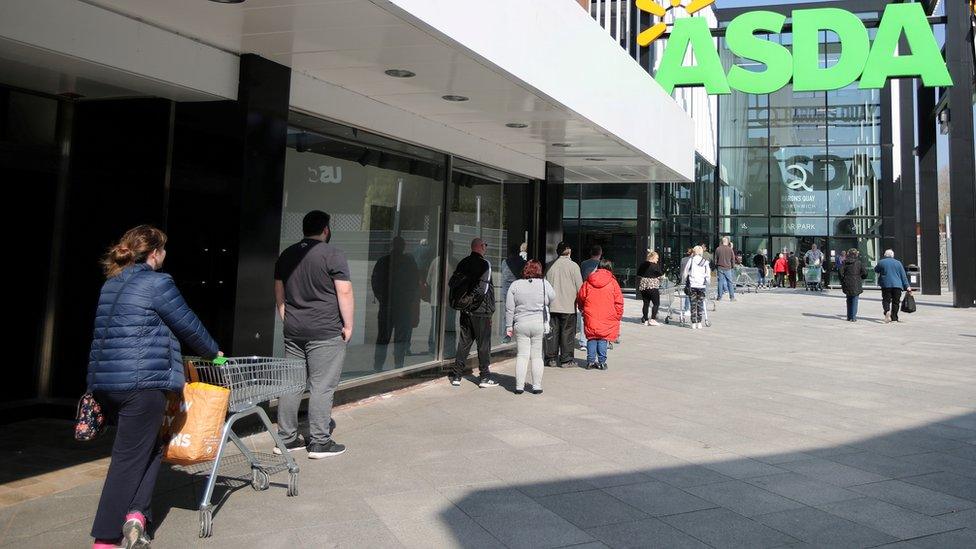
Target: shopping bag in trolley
column 194, row 421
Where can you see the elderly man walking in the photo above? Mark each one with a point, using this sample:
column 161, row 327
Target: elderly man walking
column 893, row 279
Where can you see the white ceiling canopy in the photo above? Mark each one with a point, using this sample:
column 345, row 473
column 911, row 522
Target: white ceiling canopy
column 540, row 78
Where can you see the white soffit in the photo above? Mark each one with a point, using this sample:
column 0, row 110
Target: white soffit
column 543, row 63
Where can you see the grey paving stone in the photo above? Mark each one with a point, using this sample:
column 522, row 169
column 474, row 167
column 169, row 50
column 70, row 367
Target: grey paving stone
column 647, row 533
column 532, row 527
column 946, row 462
column 739, row 467
column 832, row 472
column 957, row 539
column 823, row 529
column 454, row 530
column 914, row 497
column 722, row 528
column 417, row 505
column 803, row 489
column 966, row 451
column 688, row 475
column 887, row 518
column 948, row 483
column 885, row 465
column 743, row 498
column 591, row 508
column 961, row 519
column 658, row 498
column 477, row 501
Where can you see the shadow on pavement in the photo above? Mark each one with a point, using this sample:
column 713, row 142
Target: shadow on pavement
column 917, row 485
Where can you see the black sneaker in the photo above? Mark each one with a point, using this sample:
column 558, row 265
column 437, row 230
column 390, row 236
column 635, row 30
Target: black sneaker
column 519, row 391
column 536, row 391
column 603, row 366
column 456, row 381
column 297, row 444
column 486, row 382
column 329, row 449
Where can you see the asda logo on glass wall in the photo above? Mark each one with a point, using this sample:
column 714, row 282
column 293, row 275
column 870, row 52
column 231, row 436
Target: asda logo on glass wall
column 872, row 64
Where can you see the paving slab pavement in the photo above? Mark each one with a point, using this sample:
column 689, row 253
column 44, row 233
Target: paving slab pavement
column 782, row 425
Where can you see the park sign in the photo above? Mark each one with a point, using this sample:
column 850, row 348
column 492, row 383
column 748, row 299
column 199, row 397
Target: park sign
column 860, row 60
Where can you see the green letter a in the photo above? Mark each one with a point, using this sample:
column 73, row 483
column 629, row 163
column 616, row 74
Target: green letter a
column 925, row 59
column 741, row 39
column 707, row 72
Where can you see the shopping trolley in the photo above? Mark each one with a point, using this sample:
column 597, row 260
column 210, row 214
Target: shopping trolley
column 252, row 381
column 679, row 306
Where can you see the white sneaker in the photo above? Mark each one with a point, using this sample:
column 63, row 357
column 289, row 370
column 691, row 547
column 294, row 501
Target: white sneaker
column 652, row 323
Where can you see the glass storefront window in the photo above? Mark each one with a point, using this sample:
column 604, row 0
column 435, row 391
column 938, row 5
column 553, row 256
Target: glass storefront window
column 854, row 116
column 798, row 181
column 488, row 204
column 386, row 207
column 797, row 118
column 618, row 237
column 852, row 179
column 744, row 181
column 609, row 201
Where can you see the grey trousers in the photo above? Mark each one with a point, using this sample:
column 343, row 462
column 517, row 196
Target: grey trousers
column 323, row 361
column 528, row 337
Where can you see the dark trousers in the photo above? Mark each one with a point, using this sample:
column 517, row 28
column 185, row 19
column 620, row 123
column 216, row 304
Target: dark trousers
column 792, row 279
column 779, row 279
column 562, row 338
column 890, row 301
column 649, row 297
column 852, row 307
column 136, row 455
column 473, row 329
column 697, row 305
column 396, row 324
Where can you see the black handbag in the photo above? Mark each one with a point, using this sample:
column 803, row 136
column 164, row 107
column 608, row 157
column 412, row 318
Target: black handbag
column 908, row 304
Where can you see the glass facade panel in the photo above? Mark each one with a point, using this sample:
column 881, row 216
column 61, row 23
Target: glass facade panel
column 798, row 181
column 853, row 174
column 618, row 237
column 609, row 201
column 385, row 208
column 743, row 181
column 797, row 118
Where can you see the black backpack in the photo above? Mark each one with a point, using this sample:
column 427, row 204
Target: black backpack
column 462, row 295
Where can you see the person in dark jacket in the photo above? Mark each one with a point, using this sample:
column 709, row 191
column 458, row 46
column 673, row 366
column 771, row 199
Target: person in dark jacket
column 650, row 288
column 852, row 275
column 759, row 262
column 793, row 262
column 135, row 360
column 893, row 280
column 396, row 286
column 475, row 326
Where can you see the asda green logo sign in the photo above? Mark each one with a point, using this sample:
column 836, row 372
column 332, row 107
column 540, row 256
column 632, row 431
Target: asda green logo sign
column 860, row 60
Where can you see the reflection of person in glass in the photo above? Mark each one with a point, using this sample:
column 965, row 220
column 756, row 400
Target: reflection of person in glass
column 396, row 285
column 511, row 271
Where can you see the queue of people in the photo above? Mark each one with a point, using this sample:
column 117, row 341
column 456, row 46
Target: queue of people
column 142, row 322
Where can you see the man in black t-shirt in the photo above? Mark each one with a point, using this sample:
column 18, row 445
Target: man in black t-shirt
column 314, row 298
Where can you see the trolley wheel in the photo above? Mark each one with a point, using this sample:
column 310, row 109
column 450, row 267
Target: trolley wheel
column 667, row 320
column 293, row 484
column 260, row 480
column 206, row 522
column 708, row 324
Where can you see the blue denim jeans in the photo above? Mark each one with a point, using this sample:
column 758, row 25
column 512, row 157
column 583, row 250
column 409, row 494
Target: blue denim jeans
column 852, row 307
column 761, row 276
column 596, row 351
column 726, row 282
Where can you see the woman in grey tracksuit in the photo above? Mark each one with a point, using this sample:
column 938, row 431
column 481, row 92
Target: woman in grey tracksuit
column 527, row 319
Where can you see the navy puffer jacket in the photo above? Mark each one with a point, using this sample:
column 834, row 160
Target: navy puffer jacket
column 140, row 320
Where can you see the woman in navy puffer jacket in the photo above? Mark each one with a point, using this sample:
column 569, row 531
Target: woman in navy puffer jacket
column 135, row 360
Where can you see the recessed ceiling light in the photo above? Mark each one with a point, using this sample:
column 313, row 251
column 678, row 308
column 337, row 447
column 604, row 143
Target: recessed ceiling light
column 228, row 1
column 516, row 125
column 400, row 73
column 562, row 145
column 596, row 159
column 455, row 98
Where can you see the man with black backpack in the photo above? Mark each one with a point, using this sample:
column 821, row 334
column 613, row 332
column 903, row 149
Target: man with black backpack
column 472, row 293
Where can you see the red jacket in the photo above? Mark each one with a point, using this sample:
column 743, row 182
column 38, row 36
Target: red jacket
column 602, row 304
column 780, row 266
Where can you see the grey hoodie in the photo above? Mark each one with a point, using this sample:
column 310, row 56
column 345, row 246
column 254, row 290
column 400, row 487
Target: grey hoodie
column 526, row 301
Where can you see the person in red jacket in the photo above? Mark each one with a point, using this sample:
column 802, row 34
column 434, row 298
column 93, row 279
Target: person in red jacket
column 602, row 304
column 780, row 268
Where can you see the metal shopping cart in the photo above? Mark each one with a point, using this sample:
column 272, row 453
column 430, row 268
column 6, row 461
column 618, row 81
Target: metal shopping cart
column 679, row 307
column 813, row 275
column 252, row 381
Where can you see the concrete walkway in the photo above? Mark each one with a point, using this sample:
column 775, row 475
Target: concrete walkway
column 780, row 426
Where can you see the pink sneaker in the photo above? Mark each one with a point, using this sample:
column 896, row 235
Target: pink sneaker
column 134, row 531
column 107, row 544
